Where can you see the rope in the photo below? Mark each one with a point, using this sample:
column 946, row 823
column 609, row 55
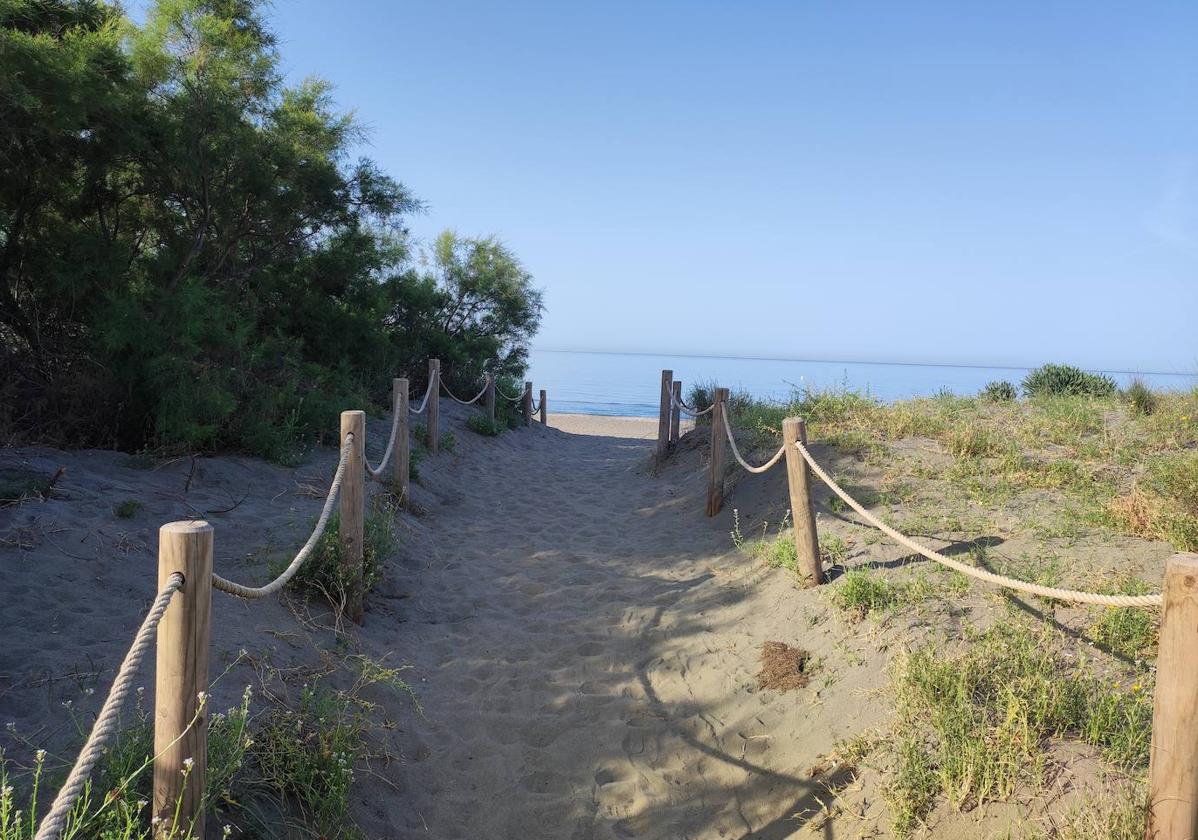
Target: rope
column 686, row 409
column 736, row 452
column 106, row 722
column 477, row 396
column 1072, row 595
column 255, row 592
column 517, row 398
column 534, row 407
column 428, row 390
column 375, row 472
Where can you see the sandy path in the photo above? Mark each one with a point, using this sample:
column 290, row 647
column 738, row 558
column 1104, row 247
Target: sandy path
column 587, row 640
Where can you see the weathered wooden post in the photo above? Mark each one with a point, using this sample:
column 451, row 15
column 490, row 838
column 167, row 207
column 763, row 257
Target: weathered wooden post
column 491, row 397
column 434, row 403
column 402, row 464
column 715, row 478
column 802, row 510
column 526, row 404
column 353, row 510
column 1173, row 763
column 663, row 414
column 180, row 721
column 676, row 413
column 544, row 408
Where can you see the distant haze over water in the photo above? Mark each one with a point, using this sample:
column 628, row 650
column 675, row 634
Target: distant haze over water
column 628, row 383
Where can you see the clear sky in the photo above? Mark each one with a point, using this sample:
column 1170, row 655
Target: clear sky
column 1005, row 183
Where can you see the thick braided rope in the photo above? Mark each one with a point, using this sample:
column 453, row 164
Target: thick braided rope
column 477, row 396
column 375, row 472
column 686, row 409
column 424, row 402
column 534, row 406
column 517, row 398
column 106, row 722
column 1072, row 595
column 736, row 452
column 255, row 592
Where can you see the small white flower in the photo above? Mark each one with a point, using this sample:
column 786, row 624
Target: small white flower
column 41, row 756
column 89, row 691
column 202, row 697
column 12, row 727
column 188, row 763
column 66, row 704
column 156, row 821
column 141, row 803
column 6, row 791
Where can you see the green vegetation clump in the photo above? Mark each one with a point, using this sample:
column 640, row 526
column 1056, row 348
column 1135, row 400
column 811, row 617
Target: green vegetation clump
column 484, row 425
column 1140, row 397
column 975, row 725
column 1066, row 380
column 194, row 255
column 324, row 575
column 862, row 592
column 999, row 391
column 128, row 509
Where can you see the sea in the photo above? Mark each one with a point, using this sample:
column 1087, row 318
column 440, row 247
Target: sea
column 628, row 384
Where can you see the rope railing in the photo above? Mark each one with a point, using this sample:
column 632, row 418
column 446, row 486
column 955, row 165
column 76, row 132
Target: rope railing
column 689, row 411
column 476, row 398
column 252, row 593
column 375, row 472
column 740, row 459
column 500, row 392
column 1070, row 595
column 105, row 726
column 424, row 402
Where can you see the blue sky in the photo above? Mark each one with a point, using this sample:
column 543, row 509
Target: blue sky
column 977, row 183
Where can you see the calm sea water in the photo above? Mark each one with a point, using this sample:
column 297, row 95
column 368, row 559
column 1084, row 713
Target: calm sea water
column 628, row 384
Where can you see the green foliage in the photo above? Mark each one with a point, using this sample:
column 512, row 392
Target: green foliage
column 326, row 576
column 1140, row 397
column 190, row 257
column 861, row 592
column 128, row 508
column 1066, row 380
column 306, row 756
column 999, row 391
column 974, row 725
column 484, row 425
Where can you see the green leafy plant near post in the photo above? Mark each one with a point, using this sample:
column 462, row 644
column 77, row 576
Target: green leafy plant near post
column 324, row 574
column 1066, row 380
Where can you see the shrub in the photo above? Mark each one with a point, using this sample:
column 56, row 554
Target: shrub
column 128, row 508
column 1140, row 397
column 999, row 391
column 1066, row 380
column 325, row 575
column 484, row 425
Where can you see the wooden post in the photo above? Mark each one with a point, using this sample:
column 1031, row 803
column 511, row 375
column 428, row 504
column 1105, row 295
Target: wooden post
column 434, row 404
column 402, row 458
column 526, row 404
column 715, row 478
column 491, row 398
column 544, row 408
column 676, row 413
column 180, row 722
column 353, row 509
column 663, row 413
column 1173, row 765
column 802, row 510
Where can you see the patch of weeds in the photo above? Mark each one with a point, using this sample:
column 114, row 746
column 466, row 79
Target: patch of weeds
column 833, row 549
column 374, row 672
column 977, row 724
column 1140, row 398
column 861, row 592
column 970, row 440
column 999, row 391
column 1130, row 632
column 1163, row 505
column 1119, row 815
column 128, row 509
column 1066, row 380
column 484, row 425
column 448, row 442
column 305, row 756
column 114, row 803
column 324, row 573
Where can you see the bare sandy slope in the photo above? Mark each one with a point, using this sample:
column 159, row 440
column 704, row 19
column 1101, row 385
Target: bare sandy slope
column 584, row 641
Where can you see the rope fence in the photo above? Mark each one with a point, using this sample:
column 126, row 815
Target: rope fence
column 1173, row 766
column 180, row 614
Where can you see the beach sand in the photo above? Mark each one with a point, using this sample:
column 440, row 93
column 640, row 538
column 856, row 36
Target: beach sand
column 584, row 641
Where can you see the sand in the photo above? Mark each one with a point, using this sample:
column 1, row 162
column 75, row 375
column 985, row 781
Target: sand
column 585, row 642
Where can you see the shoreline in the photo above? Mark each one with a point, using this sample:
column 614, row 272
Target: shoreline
column 610, row 425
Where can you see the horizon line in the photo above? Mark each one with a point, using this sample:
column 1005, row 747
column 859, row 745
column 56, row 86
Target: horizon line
column 751, row 358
